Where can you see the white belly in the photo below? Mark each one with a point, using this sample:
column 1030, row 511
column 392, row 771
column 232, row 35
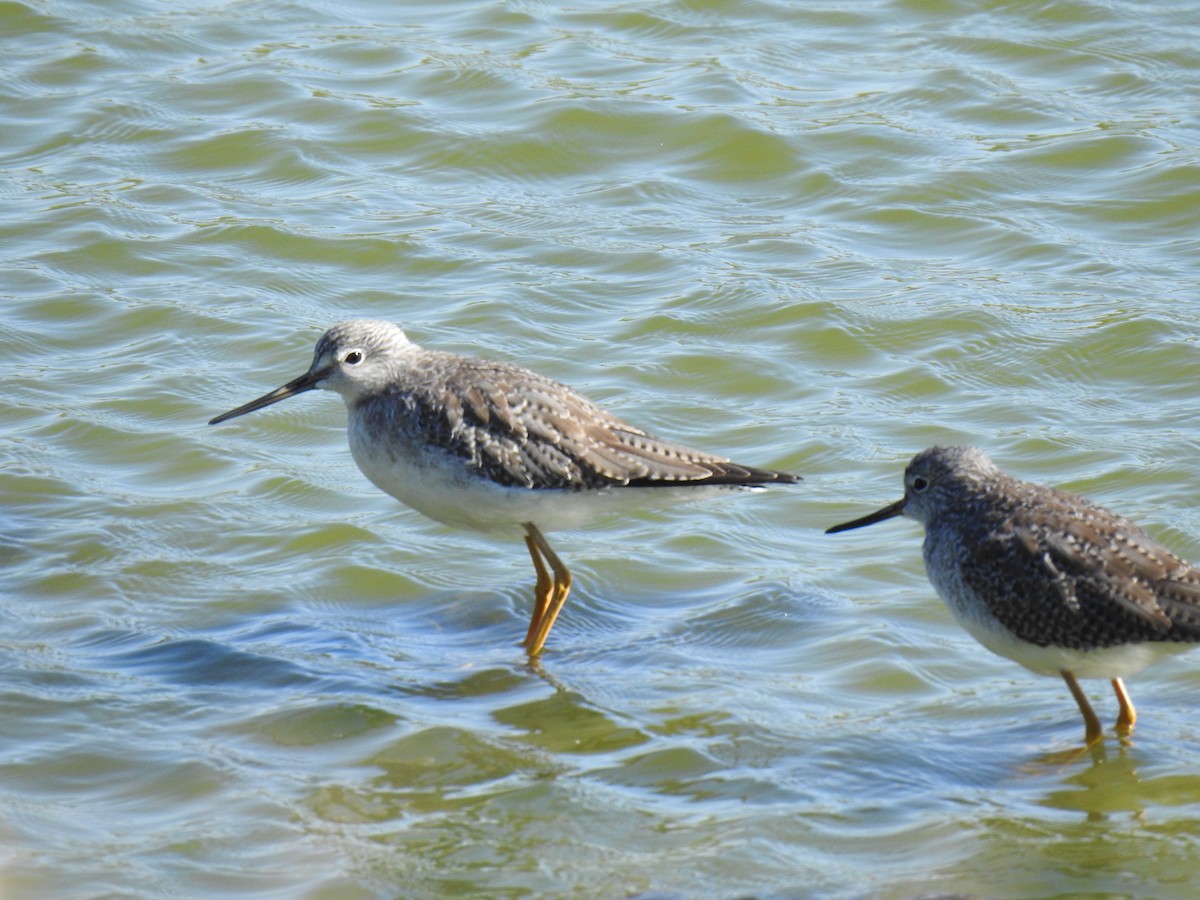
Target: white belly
column 445, row 490
column 1119, row 661
column 972, row 614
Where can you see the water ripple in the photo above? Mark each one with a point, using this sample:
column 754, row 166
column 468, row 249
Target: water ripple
column 812, row 237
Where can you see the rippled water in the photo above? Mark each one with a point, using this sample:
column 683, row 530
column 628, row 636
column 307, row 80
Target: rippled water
column 817, row 237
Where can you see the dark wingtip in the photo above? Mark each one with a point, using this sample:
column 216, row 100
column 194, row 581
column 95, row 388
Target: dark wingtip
column 751, row 475
column 734, row 473
column 722, row 473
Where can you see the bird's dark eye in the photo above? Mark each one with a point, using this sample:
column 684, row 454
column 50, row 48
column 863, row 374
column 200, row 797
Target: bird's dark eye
column 919, row 484
column 353, row 358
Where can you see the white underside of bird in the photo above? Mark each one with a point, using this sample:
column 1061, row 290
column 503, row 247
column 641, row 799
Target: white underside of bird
column 448, row 492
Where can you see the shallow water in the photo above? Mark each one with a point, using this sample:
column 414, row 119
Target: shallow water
column 815, row 237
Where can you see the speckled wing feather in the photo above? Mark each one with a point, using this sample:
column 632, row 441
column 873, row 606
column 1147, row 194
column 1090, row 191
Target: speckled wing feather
column 521, row 429
column 1111, row 582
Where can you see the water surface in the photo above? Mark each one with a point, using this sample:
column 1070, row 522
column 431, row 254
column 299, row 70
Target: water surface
column 817, row 237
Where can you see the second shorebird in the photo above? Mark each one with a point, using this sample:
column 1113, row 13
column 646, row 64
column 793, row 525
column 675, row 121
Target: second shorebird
column 497, row 448
column 1045, row 577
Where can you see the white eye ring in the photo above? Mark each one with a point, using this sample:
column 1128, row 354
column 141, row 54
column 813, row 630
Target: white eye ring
column 353, row 358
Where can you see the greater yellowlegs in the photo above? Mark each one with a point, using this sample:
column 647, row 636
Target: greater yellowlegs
column 497, row 448
column 1045, row 577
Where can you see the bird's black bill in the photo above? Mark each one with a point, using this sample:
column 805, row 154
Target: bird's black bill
column 888, row 512
column 305, row 382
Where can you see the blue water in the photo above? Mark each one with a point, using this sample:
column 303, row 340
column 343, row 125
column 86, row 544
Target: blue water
column 815, row 237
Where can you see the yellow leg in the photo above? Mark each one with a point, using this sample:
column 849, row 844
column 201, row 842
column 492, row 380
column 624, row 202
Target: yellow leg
column 1093, row 732
column 1128, row 715
column 552, row 605
column 541, row 591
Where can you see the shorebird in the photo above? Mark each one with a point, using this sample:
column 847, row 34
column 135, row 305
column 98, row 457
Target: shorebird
column 1047, row 578
column 494, row 447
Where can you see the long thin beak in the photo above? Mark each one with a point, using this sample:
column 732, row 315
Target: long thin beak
column 305, row 382
column 888, row 512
